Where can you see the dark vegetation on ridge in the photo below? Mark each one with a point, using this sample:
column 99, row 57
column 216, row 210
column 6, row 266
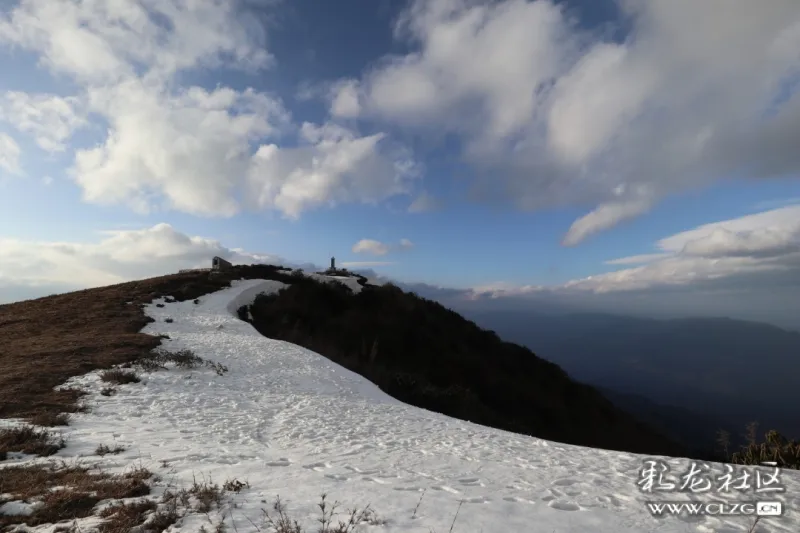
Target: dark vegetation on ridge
column 424, row 354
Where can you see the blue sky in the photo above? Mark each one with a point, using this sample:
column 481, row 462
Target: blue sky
column 514, row 147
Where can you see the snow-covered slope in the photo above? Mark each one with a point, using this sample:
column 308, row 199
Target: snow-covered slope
column 294, row 424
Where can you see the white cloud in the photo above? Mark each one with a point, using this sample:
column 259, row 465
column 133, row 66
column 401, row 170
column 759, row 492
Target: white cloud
column 50, row 119
column 424, row 203
column 191, row 148
column 187, row 148
column 749, row 254
column 120, row 256
column 637, row 259
column 108, row 40
column 332, row 165
column 551, row 115
column 776, row 228
column 371, row 246
column 603, row 217
column 764, row 248
column 9, row 154
column 345, row 99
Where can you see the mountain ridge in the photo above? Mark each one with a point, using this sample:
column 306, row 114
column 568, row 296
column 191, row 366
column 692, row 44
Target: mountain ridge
column 103, row 329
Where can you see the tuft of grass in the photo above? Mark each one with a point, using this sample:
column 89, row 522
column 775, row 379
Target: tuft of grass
column 280, row 521
column 102, row 450
column 202, row 497
column 159, row 305
column 169, row 320
column 66, row 492
column 124, row 517
column 49, row 419
column 206, row 494
column 183, row 359
column 119, row 376
column 108, row 391
column 234, row 485
column 165, row 516
column 28, row 439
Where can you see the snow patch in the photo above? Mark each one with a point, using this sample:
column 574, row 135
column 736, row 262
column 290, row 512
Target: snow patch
column 18, row 508
column 294, row 424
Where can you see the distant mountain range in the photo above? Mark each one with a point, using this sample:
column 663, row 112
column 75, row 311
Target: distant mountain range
column 684, row 376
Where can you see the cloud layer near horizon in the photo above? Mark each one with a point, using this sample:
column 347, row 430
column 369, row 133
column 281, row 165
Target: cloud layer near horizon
column 739, row 266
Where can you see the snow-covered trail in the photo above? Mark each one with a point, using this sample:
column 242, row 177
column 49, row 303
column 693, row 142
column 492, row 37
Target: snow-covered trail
column 294, row 424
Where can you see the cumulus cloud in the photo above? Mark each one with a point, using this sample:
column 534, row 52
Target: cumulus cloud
column 552, row 115
column 192, row 147
column 188, row 148
column 50, row 119
column 373, row 247
column 370, row 246
column 424, row 203
column 121, row 255
column 106, row 41
column 331, row 165
column 9, row 154
column 344, row 99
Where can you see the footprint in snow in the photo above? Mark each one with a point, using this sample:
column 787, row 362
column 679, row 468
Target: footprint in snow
column 317, row 467
column 280, row 462
column 562, row 505
column 517, row 499
column 565, row 482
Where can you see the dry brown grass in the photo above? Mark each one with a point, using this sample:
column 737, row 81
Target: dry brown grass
column 121, row 518
column 49, row 340
column 50, row 419
column 77, row 490
column 28, row 439
column 118, row 376
column 279, row 521
column 102, row 450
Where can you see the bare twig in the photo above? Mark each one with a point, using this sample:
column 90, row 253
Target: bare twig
column 456, row 516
